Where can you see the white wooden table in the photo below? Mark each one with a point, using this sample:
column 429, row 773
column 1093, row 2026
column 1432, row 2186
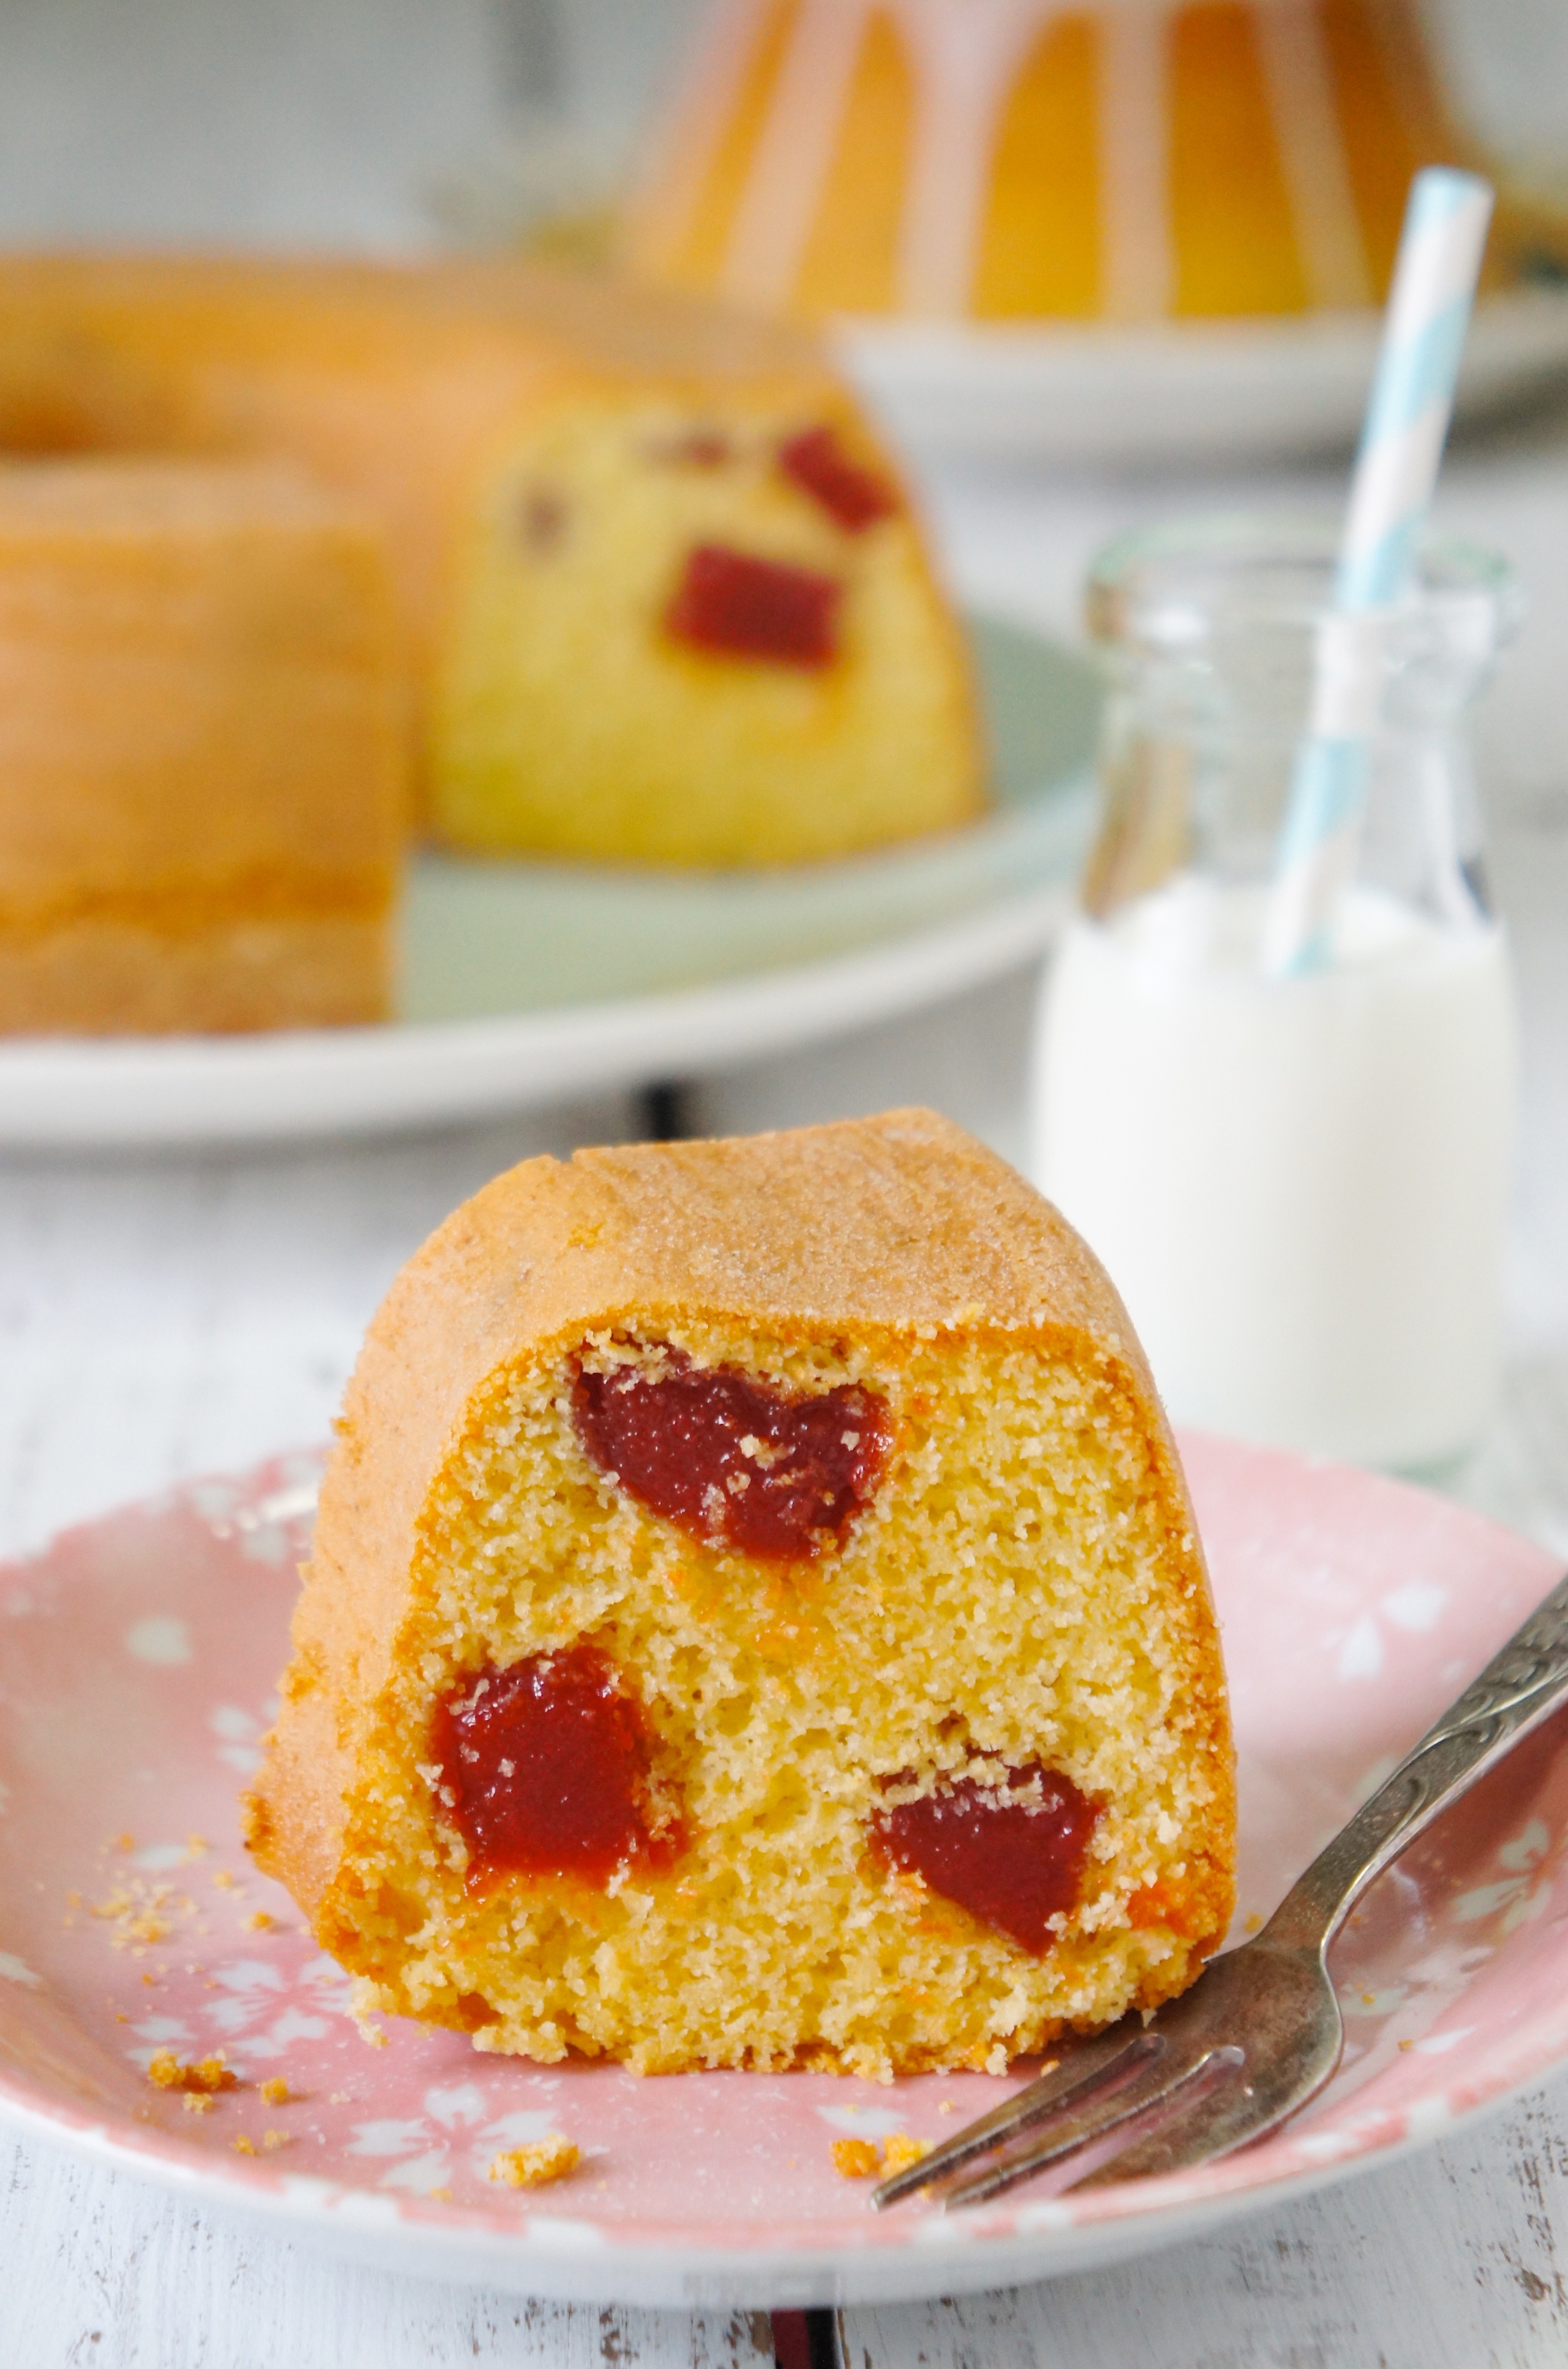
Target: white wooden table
column 187, row 1313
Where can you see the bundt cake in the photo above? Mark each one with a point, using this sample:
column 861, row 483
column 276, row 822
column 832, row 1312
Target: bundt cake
column 662, row 596
column 1051, row 159
column 756, row 1619
column 203, row 749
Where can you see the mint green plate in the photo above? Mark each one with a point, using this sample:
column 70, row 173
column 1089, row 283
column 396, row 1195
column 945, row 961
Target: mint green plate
column 525, row 981
column 486, row 937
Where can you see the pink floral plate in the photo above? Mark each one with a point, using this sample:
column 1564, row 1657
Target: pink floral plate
column 137, row 1660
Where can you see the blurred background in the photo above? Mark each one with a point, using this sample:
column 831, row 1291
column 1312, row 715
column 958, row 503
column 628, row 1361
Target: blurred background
column 382, row 122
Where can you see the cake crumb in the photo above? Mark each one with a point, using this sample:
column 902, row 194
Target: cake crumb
column 277, row 2091
column 551, row 2158
column 242, row 2145
column 225, row 1881
column 900, row 2150
column 945, row 2107
column 1253, row 1924
column 341, row 2098
column 854, row 2158
column 197, row 2102
column 1407, row 2043
column 203, row 2079
column 123, row 1843
column 273, row 2140
column 136, row 1912
column 260, row 1920
column 197, row 1846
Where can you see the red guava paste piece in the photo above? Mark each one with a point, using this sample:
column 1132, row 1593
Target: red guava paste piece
column 853, row 497
column 740, row 606
column 548, row 1768
column 735, row 1461
column 1012, row 1864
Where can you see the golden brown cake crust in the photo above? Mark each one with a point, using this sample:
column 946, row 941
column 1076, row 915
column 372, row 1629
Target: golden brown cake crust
column 202, row 744
column 111, row 977
column 899, row 1223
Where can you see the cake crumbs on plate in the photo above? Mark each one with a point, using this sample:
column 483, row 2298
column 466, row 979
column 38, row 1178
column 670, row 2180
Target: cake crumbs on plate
column 552, row 2157
column 861, row 2160
column 204, row 2079
column 141, row 1913
column 260, row 1920
column 276, row 2091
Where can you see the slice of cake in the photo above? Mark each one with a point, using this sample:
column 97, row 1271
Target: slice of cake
column 202, row 743
column 756, row 1619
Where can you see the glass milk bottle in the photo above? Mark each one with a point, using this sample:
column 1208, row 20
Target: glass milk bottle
column 1298, row 1185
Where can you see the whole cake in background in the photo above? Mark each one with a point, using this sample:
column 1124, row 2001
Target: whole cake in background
column 660, row 595
column 756, row 1619
column 202, row 748
column 1044, row 159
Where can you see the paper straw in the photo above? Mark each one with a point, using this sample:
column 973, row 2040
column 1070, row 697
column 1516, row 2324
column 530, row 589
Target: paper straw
column 1396, row 469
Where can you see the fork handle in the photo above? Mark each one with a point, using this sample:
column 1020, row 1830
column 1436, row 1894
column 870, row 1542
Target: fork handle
column 1521, row 1684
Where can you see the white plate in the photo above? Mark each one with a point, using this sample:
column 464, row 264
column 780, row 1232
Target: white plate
column 953, row 391
column 523, row 981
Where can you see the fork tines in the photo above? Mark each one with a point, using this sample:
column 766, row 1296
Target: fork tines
column 1113, row 2086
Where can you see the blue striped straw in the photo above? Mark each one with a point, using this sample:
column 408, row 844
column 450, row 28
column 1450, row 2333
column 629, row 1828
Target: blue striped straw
column 1396, row 469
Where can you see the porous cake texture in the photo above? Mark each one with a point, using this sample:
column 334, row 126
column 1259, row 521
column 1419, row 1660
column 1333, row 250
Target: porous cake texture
column 661, row 596
column 670, row 646
column 203, row 750
column 756, row 1619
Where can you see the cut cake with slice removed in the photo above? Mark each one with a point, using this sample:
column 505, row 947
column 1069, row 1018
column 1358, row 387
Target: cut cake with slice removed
column 756, row 1619
column 661, row 595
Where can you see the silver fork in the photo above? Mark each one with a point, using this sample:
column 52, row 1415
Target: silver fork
column 1259, row 2032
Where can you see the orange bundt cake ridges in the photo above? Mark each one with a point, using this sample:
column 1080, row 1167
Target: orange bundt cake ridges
column 203, row 740
column 1056, row 160
column 1000, row 1616
column 555, row 462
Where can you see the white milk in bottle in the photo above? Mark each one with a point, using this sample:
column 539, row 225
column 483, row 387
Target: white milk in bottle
column 1299, row 1187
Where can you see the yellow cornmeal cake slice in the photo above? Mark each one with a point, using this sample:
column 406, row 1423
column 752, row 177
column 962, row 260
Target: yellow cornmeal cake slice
column 756, row 1619
column 663, row 595
column 203, row 752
